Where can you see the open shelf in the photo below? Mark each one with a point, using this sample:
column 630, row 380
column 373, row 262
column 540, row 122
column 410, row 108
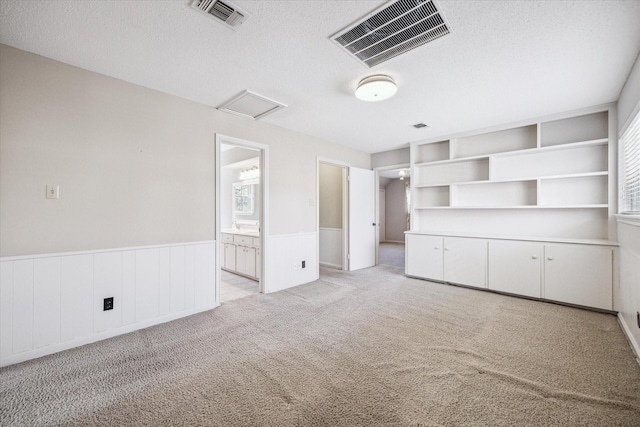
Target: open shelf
column 515, row 139
column 432, row 152
column 574, row 129
column 550, row 178
column 440, row 173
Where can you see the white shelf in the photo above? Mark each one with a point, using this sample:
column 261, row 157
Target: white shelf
column 550, row 178
column 551, row 148
column 444, row 162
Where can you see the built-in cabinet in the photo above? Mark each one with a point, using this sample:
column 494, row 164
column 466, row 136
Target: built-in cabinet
column 523, row 210
column 580, row 274
column 242, row 255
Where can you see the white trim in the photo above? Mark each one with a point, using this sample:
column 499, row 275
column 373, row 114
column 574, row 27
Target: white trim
column 393, row 241
column 308, row 233
column 100, row 251
column 329, row 228
column 632, row 342
column 628, row 219
column 264, row 214
column 66, row 345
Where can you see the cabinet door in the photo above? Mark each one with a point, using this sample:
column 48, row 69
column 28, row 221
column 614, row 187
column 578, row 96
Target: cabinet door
column 229, row 256
column 465, row 261
column 515, row 267
column 246, row 261
column 579, row 274
column 424, row 256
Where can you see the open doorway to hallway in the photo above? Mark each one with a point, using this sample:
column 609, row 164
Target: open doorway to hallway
column 393, row 214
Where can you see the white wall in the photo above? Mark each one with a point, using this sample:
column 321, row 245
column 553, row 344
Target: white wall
column 136, row 167
column 627, row 297
column 395, row 211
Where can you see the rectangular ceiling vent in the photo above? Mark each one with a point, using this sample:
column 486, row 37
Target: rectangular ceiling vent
column 395, row 28
column 251, row 105
column 230, row 15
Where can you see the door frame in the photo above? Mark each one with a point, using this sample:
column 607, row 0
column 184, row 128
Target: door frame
column 377, row 171
column 345, row 209
column 264, row 214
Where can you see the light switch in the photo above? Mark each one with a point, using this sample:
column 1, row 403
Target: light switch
column 53, row 191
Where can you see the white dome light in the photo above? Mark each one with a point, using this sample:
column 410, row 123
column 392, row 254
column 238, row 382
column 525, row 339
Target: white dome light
column 376, row 88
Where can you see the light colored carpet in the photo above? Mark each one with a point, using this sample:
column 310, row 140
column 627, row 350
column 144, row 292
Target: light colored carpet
column 366, row 348
column 391, row 254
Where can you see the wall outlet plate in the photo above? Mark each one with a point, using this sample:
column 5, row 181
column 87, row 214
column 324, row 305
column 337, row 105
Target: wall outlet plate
column 108, row 304
column 53, row 191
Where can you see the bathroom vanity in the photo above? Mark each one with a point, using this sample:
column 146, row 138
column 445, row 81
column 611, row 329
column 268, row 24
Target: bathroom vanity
column 241, row 252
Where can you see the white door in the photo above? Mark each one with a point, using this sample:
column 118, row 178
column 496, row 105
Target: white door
column 362, row 228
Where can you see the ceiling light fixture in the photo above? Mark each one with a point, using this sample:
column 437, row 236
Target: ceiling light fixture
column 376, row 88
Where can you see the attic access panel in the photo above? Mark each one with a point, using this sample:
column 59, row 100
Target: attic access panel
column 251, row 105
column 393, row 29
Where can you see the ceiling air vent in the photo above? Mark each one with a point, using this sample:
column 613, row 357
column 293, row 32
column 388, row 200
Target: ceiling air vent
column 251, row 105
column 395, row 28
column 225, row 12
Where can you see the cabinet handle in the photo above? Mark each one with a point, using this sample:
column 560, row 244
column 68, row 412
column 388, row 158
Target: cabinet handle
column 534, row 257
column 550, row 258
column 437, row 247
column 446, row 249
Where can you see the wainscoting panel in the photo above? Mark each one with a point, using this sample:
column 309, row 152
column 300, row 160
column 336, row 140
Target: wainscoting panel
column 46, row 301
column 76, row 309
column 285, row 251
column 331, row 247
column 54, row 302
column 107, row 282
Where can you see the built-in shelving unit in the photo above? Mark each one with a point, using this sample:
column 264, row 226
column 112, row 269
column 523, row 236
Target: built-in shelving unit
column 548, row 177
column 524, row 210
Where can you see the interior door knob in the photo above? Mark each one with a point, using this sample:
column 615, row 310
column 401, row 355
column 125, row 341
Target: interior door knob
column 374, row 224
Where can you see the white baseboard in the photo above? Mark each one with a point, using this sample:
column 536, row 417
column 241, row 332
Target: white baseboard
column 393, row 241
column 67, row 345
column 632, row 342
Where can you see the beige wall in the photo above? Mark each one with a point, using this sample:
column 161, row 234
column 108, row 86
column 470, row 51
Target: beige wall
column 330, row 206
column 135, row 166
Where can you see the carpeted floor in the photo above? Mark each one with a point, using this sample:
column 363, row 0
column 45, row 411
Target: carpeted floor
column 364, row 348
column 391, row 254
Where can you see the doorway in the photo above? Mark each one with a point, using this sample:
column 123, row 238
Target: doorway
column 332, row 215
column 241, row 218
column 393, row 213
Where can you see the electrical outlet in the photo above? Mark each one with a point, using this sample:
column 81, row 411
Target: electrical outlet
column 638, row 318
column 304, row 264
column 108, row 304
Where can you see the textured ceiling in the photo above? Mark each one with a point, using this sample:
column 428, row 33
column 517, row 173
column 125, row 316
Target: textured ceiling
column 504, row 61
